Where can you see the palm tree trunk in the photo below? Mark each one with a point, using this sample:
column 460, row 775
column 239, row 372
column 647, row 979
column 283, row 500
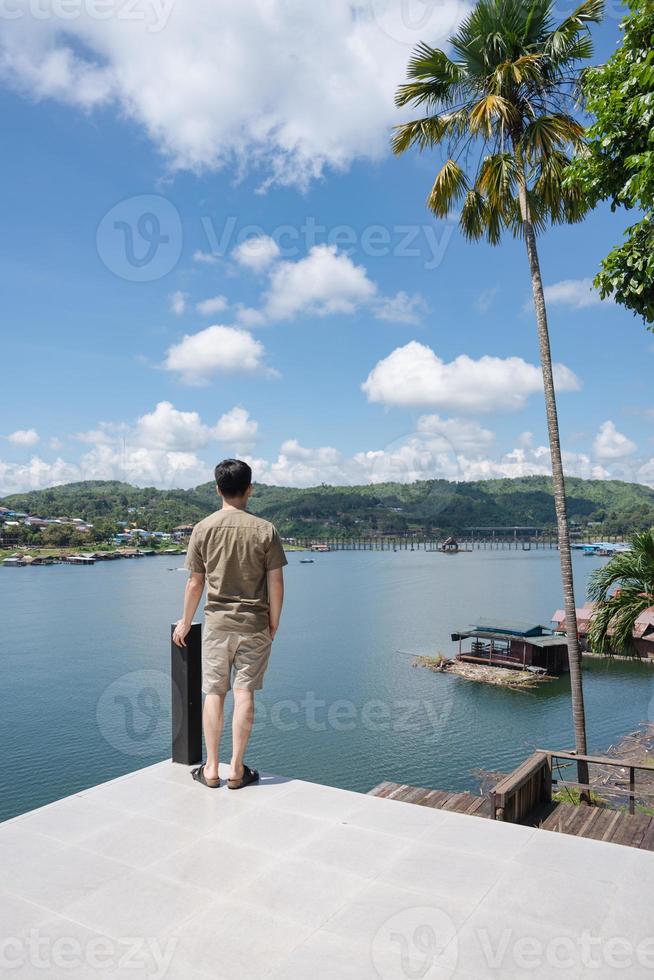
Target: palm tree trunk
column 558, row 483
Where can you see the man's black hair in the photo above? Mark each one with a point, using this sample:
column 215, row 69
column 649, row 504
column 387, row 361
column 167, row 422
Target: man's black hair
column 233, row 477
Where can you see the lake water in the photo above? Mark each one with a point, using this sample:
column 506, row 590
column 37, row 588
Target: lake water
column 85, row 686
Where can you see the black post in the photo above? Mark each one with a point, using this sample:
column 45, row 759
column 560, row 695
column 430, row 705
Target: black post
column 186, row 714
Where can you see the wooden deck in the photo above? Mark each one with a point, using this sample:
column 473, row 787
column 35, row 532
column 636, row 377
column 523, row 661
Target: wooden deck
column 596, row 823
column 437, row 799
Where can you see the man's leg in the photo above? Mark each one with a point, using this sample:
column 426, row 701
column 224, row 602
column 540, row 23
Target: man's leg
column 242, row 722
column 212, row 722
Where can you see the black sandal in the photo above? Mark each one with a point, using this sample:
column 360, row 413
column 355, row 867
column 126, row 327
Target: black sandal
column 199, row 776
column 249, row 776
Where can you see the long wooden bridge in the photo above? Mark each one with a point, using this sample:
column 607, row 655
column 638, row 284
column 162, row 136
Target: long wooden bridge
column 470, row 539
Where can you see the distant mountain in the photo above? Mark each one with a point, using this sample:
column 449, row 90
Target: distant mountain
column 616, row 507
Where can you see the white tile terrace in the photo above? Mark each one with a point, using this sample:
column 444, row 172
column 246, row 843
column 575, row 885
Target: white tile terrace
column 152, row 875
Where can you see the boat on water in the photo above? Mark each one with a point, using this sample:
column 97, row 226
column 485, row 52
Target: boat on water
column 306, row 561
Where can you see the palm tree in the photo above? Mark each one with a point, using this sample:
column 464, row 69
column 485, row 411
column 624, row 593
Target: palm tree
column 617, row 609
column 502, row 106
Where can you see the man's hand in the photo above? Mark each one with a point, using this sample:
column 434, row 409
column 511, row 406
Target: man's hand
column 181, row 632
column 192, row 595
column 273, row 630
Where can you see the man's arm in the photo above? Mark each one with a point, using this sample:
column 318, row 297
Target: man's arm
column 275, row 598
column 192, row 595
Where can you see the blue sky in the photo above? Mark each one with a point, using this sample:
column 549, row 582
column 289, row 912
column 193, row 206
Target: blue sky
column 355, row 338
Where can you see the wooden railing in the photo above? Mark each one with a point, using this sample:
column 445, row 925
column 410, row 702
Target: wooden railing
column 621, row 789
column 523, row 789
column 531, row 784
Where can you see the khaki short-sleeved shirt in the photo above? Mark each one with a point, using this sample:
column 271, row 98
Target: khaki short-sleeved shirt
column 235, row 550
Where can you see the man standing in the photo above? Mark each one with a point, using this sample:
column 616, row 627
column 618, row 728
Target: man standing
column 241, row 558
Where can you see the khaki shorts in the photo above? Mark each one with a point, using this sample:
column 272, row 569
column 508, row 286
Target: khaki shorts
column 227, row 656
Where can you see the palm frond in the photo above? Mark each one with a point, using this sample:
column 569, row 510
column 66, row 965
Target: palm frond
column 558, row 41
column 433, row 78
column 496, row 180
column 526, row 68
column 488, row 111
column 548, row 133
column 474, row 215
column 622, row 590
column 421, row 133
column 449, row 187
column 506, row 86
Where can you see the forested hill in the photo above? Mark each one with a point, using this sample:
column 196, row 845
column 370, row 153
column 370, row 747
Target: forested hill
column 387, row 507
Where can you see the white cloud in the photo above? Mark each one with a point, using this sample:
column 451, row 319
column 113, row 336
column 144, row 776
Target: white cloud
column 35, row 475
column 24, row 437
column 414, row 375
column 611, row 444
column 322, row 283
column 55, row 443
column 184, row 73
column 205, row 258
column 215, row 304
column 425, row 455
column 577, row 294
column 461, row 435
column 215, row 350
column 169, row 428
column 257, row 253
column 236, row 427
column 177, row 302
column 400, row 308
column 144, row 467
column 299, row 466
column 485, row 299
column 106, row 433
column 249, row 317
column 159, row 449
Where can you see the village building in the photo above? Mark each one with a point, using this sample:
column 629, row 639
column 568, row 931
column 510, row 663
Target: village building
column 515, row 645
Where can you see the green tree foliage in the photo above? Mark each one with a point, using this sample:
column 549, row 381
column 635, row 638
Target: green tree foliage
column 622, row 590
column 391, row 508
column 502, row 106
column 618, row 164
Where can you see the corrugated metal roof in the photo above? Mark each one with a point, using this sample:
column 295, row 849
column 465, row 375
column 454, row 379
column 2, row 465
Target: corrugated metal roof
column 489, row 634
column 515, row 627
